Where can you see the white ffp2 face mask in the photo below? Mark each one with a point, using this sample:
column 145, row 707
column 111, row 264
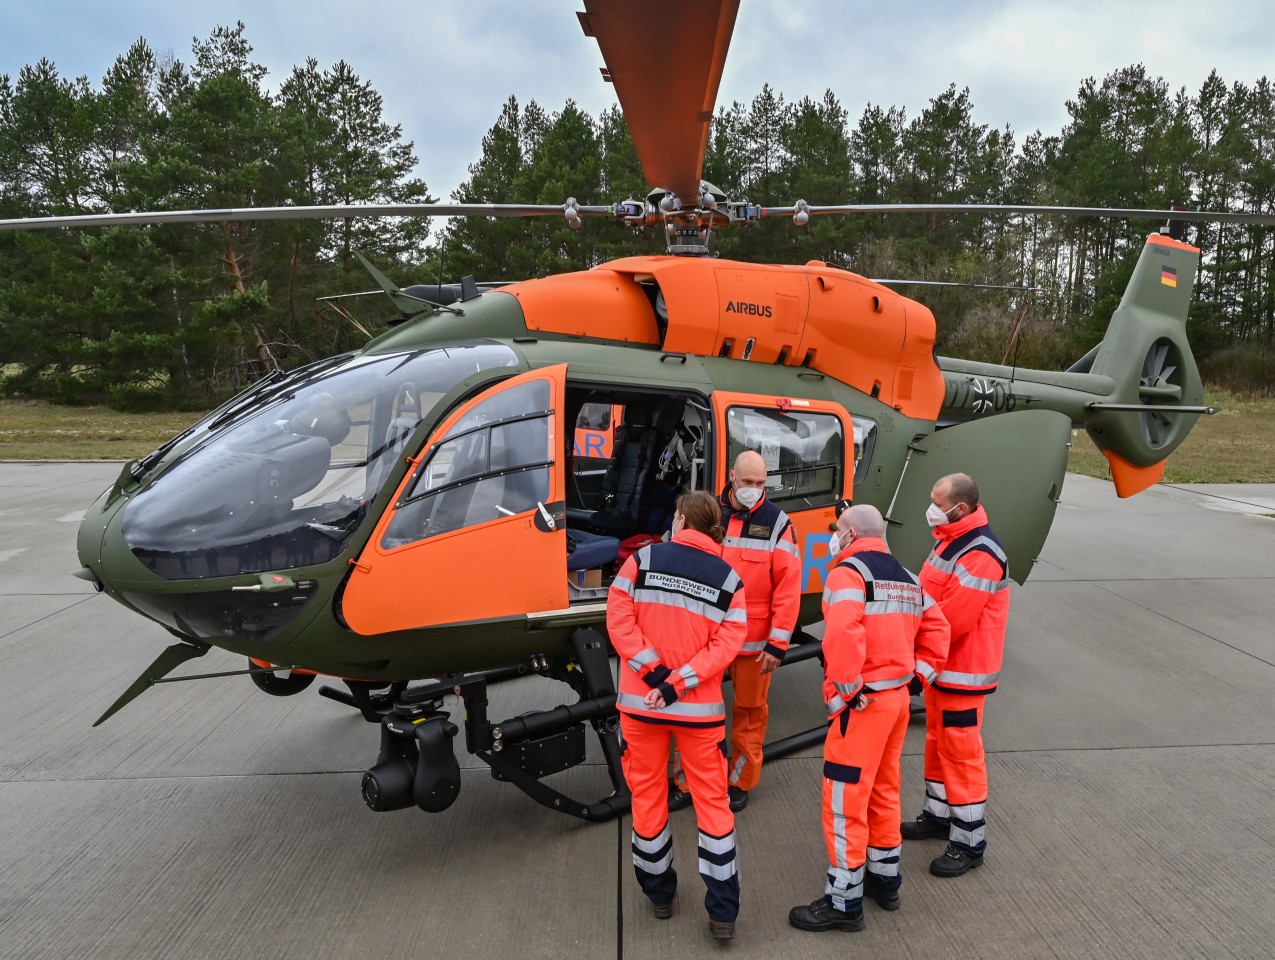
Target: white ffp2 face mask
column 834, row 545
column 748, row 497
column 935, row 516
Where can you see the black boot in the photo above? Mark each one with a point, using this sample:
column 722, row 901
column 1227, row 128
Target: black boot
column 738, row 799
column 955, row 862
column 678, row 799
column 925, row 827
column 887, row 898
column 821, row 915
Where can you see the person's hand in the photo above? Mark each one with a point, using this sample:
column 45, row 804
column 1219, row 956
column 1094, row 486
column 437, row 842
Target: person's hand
column 768, row 662
column 654, row 700
column 860, row 702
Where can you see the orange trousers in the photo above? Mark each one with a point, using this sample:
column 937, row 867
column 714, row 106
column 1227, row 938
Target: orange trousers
column 956, row 767
column 645, row 757
column 861, row 811
column 749, row 715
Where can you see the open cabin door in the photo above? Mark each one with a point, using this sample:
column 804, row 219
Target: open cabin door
column 477, row 529
column 1018, row 461
column 808, row 465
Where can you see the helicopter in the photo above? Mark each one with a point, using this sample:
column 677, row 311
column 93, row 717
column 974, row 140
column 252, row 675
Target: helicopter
column 341, row 519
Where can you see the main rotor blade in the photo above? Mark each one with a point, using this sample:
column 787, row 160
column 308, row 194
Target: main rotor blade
column 665, row 58
column 1204, row 216
column 300, row 213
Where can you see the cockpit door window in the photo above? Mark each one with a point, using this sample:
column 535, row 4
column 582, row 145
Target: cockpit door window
column 477, row 529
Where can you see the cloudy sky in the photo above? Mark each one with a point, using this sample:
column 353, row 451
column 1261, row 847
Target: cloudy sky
column 444, row 67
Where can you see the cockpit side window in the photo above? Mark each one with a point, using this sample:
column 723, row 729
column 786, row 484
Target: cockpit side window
column 494, row 462
column 804, row 453
column 282, row 478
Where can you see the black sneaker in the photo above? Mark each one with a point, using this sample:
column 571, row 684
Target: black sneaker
column 821, row 915
column 955, row 862
column 678, row 799
column 738, row 798
column 887, row 898
column 722, row 930
column 661, row 911
column 925, row 827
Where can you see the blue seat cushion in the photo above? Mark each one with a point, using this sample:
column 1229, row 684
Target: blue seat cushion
column 591, row 550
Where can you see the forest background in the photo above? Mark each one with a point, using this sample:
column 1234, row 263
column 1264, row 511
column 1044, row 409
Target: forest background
column 179, row 317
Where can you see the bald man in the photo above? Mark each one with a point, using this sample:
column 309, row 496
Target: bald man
column 881, row 632
column 761, row 545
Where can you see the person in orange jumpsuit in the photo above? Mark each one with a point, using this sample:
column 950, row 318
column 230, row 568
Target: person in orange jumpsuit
column 880, row 633
column 676, row 615
column 967, row 574
column 761, row 545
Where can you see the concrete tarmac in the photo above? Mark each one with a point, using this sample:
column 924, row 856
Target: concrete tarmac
column 1131, row 754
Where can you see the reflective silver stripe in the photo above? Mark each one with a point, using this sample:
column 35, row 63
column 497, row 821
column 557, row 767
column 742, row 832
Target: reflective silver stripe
column 678, row 708
column 688, row 674
column 835, row 705
column 777, row 634
column 884, row 861
column 753, row 646
column 642, row 658
column 887, row 684
column 837, row 596
column 644, row 849
column 847, row 689
column 788, row 547
column 782, row 523
column 657, row 868
column 747, row 543
column 732, row 583
column 838, row 790
column 737, row 769
column 623, row 584
column 929, row 602
column 874, row 607
column 718, row 871
column 682, row 602
column 724, row 844
column 993, row 547
column 969, row 812
column 968, row 579
column 971, row 838
column 936, row 800
column 843, row 886
column 970, row 679
column 654, row 844
column 644, row 558
column 925, row 671
column 736, row 615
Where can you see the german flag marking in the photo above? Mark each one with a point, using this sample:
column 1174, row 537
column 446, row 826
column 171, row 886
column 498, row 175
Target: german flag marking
column 1168, row 276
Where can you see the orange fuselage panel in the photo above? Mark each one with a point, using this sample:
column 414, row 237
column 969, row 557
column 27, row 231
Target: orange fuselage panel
column 833, row 321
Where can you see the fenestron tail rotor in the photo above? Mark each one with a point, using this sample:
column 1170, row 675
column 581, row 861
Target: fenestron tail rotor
column 1160, row 386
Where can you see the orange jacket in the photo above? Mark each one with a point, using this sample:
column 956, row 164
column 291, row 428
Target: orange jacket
column 967, row 574
column 676, row 616
column 761, row 545
column 880, row 628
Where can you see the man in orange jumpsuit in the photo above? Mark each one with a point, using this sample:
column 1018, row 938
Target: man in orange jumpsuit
column 676, row 615
column 880, row 633
column 762, row 547
column 967, row 574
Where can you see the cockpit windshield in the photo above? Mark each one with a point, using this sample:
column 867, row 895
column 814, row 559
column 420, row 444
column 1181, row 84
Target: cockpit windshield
column 284, row 478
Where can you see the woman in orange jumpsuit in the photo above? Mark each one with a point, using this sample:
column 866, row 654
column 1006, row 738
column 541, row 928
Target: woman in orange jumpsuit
column 677, row 618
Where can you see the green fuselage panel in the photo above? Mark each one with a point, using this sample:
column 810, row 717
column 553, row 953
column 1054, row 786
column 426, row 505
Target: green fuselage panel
column 1018, row 461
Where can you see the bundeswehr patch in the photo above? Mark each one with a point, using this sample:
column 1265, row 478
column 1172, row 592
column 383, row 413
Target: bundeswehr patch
column 758, row 530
